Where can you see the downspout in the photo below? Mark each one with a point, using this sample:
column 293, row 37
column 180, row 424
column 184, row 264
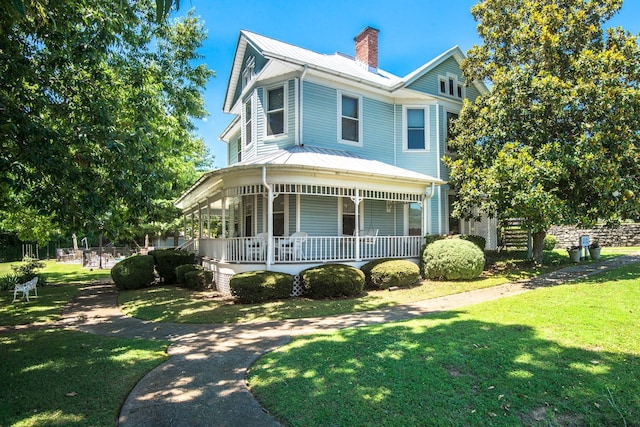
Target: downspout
column 438, row 166
column 269, row 218
column 428, row 195
column 301, row 106
column 395, row 152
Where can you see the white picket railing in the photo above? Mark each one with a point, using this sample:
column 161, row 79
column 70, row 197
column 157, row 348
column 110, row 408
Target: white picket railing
column 311, row 249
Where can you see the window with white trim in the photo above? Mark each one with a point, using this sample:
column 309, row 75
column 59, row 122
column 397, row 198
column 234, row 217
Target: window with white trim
column 247, row 119
column 415, row 129
column 348, row 216
column 239, row 150
column 451, row 118
column 275, row 110
column 414, row 219
column 450, row 86
column 349, row 118
column 279, row 205
column 249, row 71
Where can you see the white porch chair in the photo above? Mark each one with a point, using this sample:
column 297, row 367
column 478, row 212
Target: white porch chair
column 25, row 288
column 292, row 248
column 255, row 246
column 369, row 236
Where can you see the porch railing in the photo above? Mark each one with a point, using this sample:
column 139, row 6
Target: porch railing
column 311, row 249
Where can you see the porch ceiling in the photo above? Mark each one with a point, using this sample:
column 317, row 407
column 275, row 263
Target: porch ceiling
column 309, row 165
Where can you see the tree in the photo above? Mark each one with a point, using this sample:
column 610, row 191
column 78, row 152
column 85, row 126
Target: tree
column 97, row 105
column 556, row 140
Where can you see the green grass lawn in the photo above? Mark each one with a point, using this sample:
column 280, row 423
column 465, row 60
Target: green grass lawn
column 171, row 304
column 58, row 377
column 63, row 283
column 67, row 378
column 567, row 355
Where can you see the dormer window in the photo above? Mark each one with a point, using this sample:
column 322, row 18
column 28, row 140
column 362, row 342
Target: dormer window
column 450, row 86
column 249, row 71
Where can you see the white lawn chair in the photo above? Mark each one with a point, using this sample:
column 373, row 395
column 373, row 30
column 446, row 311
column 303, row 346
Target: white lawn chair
column 255, row 247
column 25, row 288
column 292, row 248
column 369, row 236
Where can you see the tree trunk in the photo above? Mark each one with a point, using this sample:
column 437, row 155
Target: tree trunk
column 538, row 246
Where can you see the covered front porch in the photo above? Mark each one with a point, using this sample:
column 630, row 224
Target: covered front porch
column 284, row 212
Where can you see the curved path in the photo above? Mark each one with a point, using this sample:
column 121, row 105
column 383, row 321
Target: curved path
column 203, row 382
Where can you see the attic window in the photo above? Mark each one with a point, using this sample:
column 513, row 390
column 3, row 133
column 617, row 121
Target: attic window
column 450, row 86
column 249, row 71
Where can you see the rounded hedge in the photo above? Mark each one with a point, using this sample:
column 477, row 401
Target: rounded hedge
column 452, row 259
column 181, row 270
column 549, row 242
column 167, row 260
column 386, row 273
column 332, row 281
column 134, row 272
column 260, row 286
column 198, row 279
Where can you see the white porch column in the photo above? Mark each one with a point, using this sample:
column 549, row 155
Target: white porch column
column 356, row 202
column 270, row 197
column 208, row 218
column 223, row 201
column 199, row 221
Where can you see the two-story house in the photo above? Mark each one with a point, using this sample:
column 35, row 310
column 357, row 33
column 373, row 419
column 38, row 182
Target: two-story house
column 331, row 159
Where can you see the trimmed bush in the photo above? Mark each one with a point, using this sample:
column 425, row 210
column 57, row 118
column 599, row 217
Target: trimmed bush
column 479, row 241
column 549, row 242
column 167, row 260
column 181, row 270
column 199, row 279
column 134, row 272
column 260, row 286
column 429, row 239
column 452, row 259
column 385, row 273
column 332, row 281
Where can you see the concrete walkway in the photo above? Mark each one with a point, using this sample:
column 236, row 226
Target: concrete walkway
column 203, row 382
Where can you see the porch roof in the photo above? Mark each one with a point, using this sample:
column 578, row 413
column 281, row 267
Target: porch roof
column 309, row 159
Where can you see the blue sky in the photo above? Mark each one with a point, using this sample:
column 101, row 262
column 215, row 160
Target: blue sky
column 412, row 32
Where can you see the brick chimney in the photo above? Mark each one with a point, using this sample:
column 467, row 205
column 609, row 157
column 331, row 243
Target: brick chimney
column 367, row 47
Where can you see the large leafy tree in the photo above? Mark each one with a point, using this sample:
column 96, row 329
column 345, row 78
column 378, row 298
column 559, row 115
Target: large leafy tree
column 557, row 139
column 97, row 103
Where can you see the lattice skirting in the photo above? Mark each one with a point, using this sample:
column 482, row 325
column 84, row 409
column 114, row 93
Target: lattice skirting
column 222, row 282
column 297, row 286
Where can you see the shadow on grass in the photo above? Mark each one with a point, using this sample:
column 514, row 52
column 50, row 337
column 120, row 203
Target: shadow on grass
column 61, row 377
column 439, row 371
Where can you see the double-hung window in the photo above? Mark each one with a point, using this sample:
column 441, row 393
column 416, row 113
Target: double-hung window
column 416, row 130
column 350, row 118
column 275, row 111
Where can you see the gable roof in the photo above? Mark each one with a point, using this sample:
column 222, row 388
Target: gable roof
column 336, row 64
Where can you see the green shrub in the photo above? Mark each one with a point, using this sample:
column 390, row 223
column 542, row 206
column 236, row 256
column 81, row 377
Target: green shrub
column 332, row 280
column 429, row 239
column 198, row 279
column 181, row 270
column 479, row 241
column 260, row 286
column 452, row 259
column 8, row 281
column 134, row 272
column 385, row 273
column 549, row 242
column 167, row 260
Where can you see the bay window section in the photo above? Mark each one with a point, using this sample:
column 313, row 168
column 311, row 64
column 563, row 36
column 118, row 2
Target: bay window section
column 248, row 123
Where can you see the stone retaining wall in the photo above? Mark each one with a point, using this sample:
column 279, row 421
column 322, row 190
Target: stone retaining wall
column 625, row 235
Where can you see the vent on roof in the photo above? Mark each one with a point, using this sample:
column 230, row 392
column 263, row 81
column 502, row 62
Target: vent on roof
column 367, row 47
